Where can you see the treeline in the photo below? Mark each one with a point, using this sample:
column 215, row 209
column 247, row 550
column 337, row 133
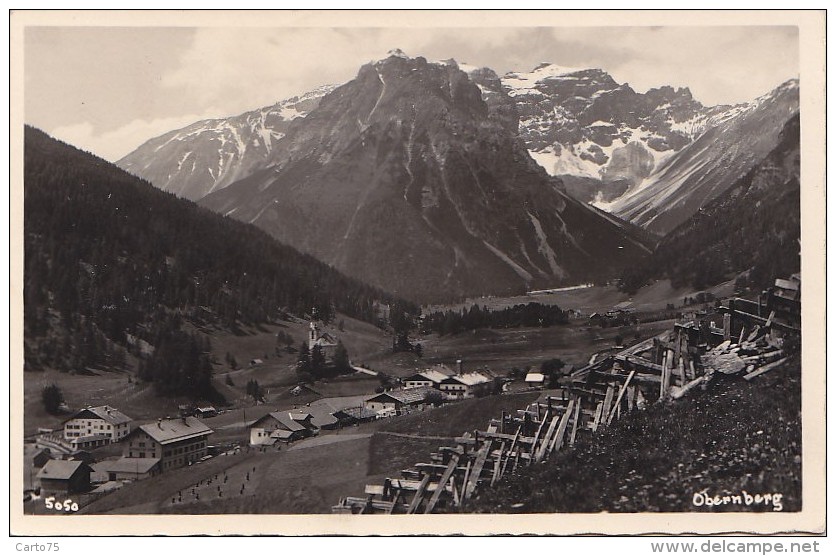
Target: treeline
column 313, row 364
column 528, row 314
column 104, row 250
column 754, row 229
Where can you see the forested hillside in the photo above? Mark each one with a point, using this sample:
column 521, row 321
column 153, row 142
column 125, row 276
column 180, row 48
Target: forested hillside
column 112, row 262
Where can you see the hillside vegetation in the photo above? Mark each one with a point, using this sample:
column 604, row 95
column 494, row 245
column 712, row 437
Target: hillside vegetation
column 734, row 436
column 114, row 265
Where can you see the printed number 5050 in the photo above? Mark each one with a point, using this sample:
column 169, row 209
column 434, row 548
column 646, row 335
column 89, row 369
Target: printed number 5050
column 67, row 505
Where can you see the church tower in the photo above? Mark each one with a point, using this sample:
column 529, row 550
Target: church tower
column 313, row 335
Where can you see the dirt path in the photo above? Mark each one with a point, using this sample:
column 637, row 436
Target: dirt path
column 327, row 439
column 416, row 436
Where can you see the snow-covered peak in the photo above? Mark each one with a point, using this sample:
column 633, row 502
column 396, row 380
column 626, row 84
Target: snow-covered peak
column 785, row 87
column 545, row 71
column 317, row 92
column 524, row 82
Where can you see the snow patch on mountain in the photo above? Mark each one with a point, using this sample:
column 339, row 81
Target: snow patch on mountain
column 222, row 150
column 543, row 245
column 526, row 82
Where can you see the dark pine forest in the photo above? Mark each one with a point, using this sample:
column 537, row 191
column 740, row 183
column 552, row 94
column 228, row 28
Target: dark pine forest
column 110, row 260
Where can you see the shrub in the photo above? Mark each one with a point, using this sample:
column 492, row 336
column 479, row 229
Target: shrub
column 52, row 398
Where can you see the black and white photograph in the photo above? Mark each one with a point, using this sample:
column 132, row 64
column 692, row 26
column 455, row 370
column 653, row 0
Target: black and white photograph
column 433, row 268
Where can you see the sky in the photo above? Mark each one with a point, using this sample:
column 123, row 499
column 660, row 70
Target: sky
column 109, row 89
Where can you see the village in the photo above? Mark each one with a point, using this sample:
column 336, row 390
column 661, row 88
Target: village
column 208, row 455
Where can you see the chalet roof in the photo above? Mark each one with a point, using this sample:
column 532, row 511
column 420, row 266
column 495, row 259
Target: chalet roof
column 787, row 284
column 432, row 375
column 535, row 377
column 443, row 369
column 105, row 412
column 128, row 465
column 468, row 379
column 357, row 412
column 108, row 487
column 89, row 438
column 405, row 396
column 284, row 420
column 325, row 341
column 331, row 405
column 60, row 469
column 323, row 420
column 167, row 431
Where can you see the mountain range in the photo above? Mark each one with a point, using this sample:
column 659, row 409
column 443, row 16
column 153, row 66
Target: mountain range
column 408, row 179
column 425, row 177
column 706, row 168
column 210, row 154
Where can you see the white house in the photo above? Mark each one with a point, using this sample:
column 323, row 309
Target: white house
column 285, row 426
column 398, row 401
column 431, row 378
column 535, row 380
column 465, row 385
column 100, row 422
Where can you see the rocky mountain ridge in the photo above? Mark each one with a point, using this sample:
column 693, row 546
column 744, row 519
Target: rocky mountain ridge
column 406, row 177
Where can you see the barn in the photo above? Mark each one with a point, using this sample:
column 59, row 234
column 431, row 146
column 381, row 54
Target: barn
column 64, row 476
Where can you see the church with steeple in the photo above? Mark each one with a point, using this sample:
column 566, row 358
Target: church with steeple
column 317, row 337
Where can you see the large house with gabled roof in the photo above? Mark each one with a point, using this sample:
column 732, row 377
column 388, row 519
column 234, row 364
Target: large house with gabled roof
column 466, row 385
column 281, row 426
column 430, row 377
column 103, row 422
column 399, row 401
column 175, row 442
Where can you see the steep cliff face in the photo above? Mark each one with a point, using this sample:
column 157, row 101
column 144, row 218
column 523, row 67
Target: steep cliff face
column 209, row 155
column 709, row 166
column 578, row 122
column 412, row 177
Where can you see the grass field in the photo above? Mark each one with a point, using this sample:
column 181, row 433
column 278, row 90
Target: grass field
column 502, row 349
column 276, row 374
column 652, row 297
column 457, row 418
column 389, row 454
column 134, row 398
column 302, row 479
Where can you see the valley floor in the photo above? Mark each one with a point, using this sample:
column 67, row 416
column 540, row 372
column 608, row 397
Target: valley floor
column 304, row 478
